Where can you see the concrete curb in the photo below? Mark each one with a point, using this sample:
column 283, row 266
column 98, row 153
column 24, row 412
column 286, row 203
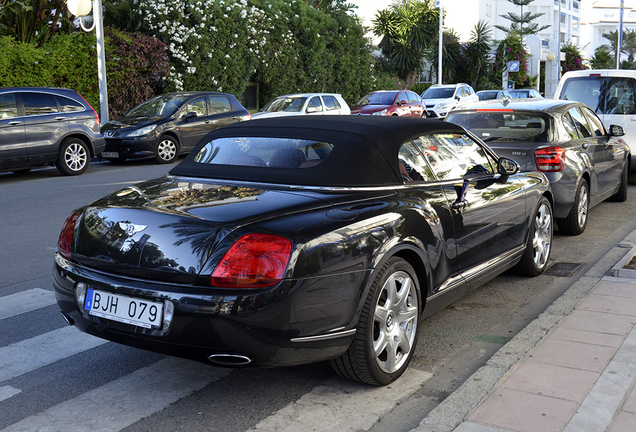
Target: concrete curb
column 455, row 408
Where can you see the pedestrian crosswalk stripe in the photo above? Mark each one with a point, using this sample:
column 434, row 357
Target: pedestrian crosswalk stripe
column 125, row 401
column 30, row 354
column 7, row 391
column 25, row 301
column 342, row 405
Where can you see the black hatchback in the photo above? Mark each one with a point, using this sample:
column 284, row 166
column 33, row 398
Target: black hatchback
column 170, row 124
column 45, row 126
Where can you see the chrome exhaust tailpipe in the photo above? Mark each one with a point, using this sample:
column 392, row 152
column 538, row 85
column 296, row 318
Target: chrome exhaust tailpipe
column 229, row 359
column 69, row 320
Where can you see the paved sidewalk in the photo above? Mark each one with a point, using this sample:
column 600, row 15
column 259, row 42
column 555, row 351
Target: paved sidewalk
column 573, row 369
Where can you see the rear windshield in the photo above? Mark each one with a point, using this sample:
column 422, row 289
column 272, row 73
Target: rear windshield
column 381, row 98
column 605, row 95
column 282, row 153
column 504, row 125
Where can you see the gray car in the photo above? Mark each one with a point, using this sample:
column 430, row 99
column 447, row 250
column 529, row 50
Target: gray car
column 584, row 163
column 47, row 126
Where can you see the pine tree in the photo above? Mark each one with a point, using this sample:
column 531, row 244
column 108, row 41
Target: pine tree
column 522, row 23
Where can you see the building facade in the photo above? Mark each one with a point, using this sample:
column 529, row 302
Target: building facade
column 600, row 17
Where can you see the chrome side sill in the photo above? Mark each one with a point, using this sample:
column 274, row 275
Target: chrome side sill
column 325, row 336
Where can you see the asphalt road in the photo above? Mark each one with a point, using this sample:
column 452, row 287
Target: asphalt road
column 53, row 378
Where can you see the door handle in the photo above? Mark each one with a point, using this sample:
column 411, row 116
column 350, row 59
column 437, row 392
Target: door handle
column 14, row 122
column 206, row 121
column 585, row 145
column 60, row 118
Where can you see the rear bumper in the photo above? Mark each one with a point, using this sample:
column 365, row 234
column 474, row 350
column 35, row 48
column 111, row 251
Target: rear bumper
column 271, row 328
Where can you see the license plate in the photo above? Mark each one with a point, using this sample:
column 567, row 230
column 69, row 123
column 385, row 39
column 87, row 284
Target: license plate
column 129, row 310
column 110, row 154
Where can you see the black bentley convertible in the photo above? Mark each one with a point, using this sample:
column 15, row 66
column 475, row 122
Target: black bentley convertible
column 294, row 240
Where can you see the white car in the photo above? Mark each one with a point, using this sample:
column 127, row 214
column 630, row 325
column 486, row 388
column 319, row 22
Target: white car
column 441, row 99
column 304, row 103
column 609, row 92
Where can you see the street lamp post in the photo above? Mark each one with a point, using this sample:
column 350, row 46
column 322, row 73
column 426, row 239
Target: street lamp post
column 81, row 8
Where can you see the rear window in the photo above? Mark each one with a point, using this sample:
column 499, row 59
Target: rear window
column 69, row 105
column 605, row 95
column 264, row 152
column 331, row 102
column 505, row 125
column 380, row 98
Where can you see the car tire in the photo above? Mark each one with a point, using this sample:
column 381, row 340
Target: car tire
column 386, row 335
column 73, row 157
column 621, row 193
column 166, row 150
column 539, row 244
column 576, row 221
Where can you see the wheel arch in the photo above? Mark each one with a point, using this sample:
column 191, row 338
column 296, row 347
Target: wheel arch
column 86, row 140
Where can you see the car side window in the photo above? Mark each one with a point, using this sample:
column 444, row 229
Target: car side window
column 580, row 122
column 331, row 103
column 570, row 126
column 314, row 102
column 8, row 106
column 38, row 103
column 413, row 97
column 412, row 165
column 69, row 105
column 619, row 97
column 452, row 156
column 197, row 106
column 597, row 126
column 219, row 104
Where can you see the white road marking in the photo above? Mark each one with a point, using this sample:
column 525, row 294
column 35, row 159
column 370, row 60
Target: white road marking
column 30, row 354
column 342, row 406
column 125, row 401
column 25, row 301
column 7, row 391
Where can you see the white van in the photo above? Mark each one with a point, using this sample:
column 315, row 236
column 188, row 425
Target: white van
column 609, row 92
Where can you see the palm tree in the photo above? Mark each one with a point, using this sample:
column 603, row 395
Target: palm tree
column 612, row 47
column 602, row 59
column 451, row 55
column 477, row 51
column 33, row 20
column 407, row 30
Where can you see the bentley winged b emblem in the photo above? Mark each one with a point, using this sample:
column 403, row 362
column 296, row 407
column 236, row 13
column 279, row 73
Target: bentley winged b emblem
column 130, row 228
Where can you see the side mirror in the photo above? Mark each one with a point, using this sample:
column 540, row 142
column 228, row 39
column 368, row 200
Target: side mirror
column 457, row 97
column 616, row 130
column 189, row 116
column 507, row 166
column 313, row 109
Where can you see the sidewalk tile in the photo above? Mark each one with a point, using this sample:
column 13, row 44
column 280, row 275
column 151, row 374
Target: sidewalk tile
column 624, row 422
column 627, row 351
column 614, row 288
column 630, row 403
column 588, row 337
column 523, row 412
column 573, row 355
column 608, row 304
column 549, row 380
column 598, row 322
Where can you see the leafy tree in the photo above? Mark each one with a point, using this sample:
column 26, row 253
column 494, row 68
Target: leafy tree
column 522, row 23
column 123, row 15
column 407, row 31
column 476, row 52
column 573, row 58
column 628, row 45
column 451, row 56
column 511, row 49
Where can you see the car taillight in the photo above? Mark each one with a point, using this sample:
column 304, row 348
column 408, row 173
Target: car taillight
column 550, row 158
column 64, row 243
column 91, row 107
column 254, row 261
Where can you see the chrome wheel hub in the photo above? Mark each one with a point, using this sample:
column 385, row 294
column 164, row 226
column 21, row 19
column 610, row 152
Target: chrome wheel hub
column 166, row 149
column 583, row 206
column 542, row 239
column 395, row 322
column 75, row 157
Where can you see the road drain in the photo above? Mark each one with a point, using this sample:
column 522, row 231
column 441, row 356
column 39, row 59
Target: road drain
column 563, row 269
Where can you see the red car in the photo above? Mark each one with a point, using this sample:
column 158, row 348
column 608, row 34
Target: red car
column 404, row 103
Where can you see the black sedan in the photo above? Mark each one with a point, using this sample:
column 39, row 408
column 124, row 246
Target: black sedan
column 170, row 124
column 567, row 141
column 287, row 241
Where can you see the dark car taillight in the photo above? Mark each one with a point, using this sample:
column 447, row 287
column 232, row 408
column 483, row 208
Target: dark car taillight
column 65, row 241
column 549, row 158
column 254, row 261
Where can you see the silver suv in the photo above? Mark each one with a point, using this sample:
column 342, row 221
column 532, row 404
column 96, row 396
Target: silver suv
column 47, row 126
column 441, row 99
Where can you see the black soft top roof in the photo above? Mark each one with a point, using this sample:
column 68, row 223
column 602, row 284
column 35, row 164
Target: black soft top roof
column 365, row 149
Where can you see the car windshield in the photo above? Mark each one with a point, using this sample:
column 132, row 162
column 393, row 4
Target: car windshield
column 284, row 153
column 285, row 104
column 491, row 125
column 159, row 106
column 378, row 98
column 438, row 93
